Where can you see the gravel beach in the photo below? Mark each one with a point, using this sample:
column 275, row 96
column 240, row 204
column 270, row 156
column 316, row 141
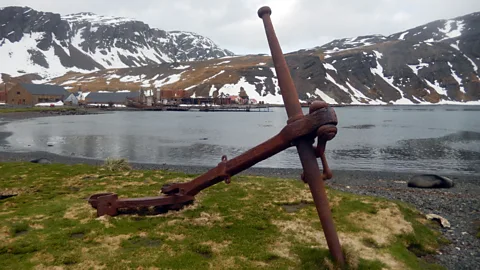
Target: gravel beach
column 460, row 205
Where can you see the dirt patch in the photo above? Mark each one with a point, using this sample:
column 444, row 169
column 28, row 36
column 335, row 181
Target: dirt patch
column 134, row 174
column 207, row 219
column 382, row 228
column 6, row 213
column 120, row 184
column 223, row 263
column 217, row 247
column 4, row 233
column 282, row 249
column 88, row 264
column 9, row 192
column 295, row 207
column 302, row 231
column 42, row 257
column 112, row 243
column 384, row 225
column 105, row 220
column 43, row 267
column 36, row 226
column 179, row 213
column 176, row 237
column 76, row 180
column 80, row 211
column 356, row 246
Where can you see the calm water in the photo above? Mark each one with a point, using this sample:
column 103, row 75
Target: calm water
column 440, row 139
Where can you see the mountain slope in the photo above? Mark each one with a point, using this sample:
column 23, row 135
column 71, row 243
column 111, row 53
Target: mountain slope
column 436, row 63
column 433, row 63
column 50, row 44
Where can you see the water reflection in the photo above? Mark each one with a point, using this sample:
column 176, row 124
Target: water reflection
column 440, row 139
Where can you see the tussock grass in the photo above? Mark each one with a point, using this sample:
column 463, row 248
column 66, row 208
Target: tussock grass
column 116, row 165
column 243, row 225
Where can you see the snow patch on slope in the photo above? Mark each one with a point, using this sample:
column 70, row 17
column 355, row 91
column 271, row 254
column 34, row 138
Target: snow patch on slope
column 402, row 36
column 378, row 70
column 168, row 80
column 416, row 68
column 234, row 90
column 325, row 97
column 330, row 66
column 458, row 79
column 436, row 86
column 15, row 58
column 449, row 31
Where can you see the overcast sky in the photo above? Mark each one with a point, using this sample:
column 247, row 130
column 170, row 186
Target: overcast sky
column 234, row 25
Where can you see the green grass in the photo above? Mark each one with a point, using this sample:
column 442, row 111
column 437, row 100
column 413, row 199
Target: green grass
column 243, row 225
column 35, row 109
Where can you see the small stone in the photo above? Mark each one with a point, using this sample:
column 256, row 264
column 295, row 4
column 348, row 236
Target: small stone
column 347, row 186
column 457, row 248
column 464, row 233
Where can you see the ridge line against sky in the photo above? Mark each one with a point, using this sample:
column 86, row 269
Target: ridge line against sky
column 300, row 24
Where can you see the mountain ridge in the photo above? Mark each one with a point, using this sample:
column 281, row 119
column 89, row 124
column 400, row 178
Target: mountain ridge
column 434, row 63
column 85, row 42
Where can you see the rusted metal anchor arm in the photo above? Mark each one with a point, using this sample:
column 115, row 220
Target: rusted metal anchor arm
column 319, row 120
column 304, row 126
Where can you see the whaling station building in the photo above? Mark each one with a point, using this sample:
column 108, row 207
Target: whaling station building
column 31, row 94
column 35, row 94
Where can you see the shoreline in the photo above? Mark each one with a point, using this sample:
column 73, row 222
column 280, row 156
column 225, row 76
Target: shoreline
column 460, row 204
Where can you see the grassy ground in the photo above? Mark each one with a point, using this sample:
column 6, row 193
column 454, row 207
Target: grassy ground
column 254, row 222
column 35, row 109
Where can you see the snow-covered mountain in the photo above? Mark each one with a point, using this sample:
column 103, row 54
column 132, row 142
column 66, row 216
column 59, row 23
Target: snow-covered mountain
column 50, row 45
column 435, row 63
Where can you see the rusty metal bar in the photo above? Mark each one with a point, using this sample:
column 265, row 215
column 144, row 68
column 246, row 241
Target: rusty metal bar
column 307, row 154
column 320, row 122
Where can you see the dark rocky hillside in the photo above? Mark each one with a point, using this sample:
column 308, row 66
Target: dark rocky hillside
column 50, row 44
column 432, row 63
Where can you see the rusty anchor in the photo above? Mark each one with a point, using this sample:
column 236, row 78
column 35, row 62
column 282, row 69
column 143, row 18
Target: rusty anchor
column 300, row 131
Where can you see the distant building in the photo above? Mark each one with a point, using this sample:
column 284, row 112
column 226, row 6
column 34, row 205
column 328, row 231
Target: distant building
column 107, row 98
column 172, row 96
column 31, row 94
column 149, row 97
column 3, row 96
column 71, row 100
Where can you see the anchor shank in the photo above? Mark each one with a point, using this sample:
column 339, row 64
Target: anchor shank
column 305, row 150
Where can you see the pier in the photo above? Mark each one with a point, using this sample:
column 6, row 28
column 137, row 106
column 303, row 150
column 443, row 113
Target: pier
column 235, row 108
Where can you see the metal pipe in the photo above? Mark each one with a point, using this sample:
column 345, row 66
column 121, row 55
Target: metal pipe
column 305, row 150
